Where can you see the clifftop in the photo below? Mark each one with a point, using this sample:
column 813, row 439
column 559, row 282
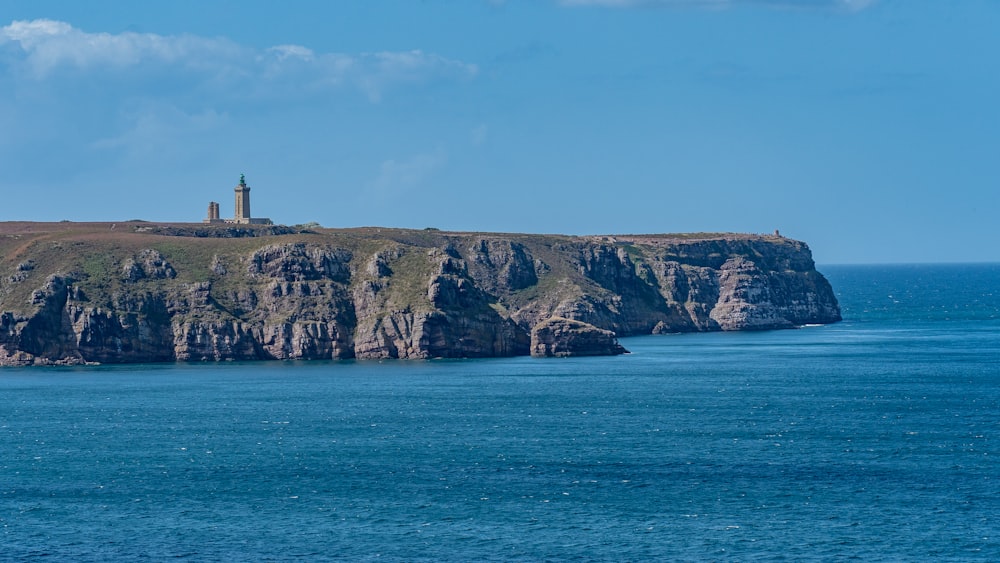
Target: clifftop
column 136, row 291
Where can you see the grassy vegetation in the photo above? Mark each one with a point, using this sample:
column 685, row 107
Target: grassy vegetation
column 408, row 288
column 95, row 254
column 635, row 253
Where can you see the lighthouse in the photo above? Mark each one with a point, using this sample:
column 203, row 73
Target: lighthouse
column 242, row 202
column 242, row 215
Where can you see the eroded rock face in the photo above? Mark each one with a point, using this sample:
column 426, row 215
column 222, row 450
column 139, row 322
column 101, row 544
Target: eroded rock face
column 44, row 337
column 299, row 262
column 499, row 265
column 137, row 330
column 411, row 295
column 147, row 264
column 743, row 285
column 453, row 319
column 745, row 298
column 560, row 337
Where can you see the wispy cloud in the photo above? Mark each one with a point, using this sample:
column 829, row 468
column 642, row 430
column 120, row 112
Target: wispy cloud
column 849, row 5
column 378, row 71
column 49, row 45
column 47, row 48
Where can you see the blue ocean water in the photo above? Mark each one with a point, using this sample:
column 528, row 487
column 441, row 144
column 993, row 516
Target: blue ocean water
column 877, row 438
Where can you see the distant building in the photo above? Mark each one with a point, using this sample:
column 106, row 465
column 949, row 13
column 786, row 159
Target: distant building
column 242, row 215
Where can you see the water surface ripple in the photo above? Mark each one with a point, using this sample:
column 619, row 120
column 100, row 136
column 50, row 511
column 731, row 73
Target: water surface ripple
column 876, row 438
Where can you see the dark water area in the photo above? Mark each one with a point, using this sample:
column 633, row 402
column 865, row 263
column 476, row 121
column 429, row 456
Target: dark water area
column 877, row 438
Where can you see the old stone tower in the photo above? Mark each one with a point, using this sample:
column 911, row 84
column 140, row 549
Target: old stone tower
column 242, row 201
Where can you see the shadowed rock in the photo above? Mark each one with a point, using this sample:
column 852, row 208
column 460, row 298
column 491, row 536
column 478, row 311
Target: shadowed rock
column 559, row 337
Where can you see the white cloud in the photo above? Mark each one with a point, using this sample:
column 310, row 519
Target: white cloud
column 850, row 5
column 49, row 45
column 285, row 52
column 47, row 48
column 26, row 31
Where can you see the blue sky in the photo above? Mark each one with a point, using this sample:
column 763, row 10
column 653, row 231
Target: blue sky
column 868, row 128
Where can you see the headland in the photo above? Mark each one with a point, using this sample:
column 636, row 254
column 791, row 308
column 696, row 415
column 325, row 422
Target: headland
column 74, row 293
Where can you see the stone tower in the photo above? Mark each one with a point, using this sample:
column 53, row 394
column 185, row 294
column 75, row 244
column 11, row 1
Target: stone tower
column 242, row 202
column 213, row 213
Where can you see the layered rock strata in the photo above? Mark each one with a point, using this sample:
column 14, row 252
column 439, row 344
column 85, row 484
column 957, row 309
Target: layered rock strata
column 78, row 295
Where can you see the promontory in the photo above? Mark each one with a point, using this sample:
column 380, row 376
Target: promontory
column 74, row 293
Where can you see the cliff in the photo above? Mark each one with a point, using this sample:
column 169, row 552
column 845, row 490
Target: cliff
column 139, row 292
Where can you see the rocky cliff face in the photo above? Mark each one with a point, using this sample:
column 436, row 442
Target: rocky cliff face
column 150, row 295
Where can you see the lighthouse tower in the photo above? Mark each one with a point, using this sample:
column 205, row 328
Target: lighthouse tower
column 242, row 202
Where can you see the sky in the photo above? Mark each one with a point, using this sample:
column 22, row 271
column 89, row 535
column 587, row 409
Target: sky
column 870, row 129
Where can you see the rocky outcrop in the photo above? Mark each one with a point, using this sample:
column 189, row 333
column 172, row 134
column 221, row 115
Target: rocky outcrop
column 453, row 319
column 44, row 337
column 147, row 264
column 372, row 294
column 299, row 262
column 499, row 265
column 559, row 337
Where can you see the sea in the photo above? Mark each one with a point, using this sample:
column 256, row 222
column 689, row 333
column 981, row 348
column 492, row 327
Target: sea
column 875, row 439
